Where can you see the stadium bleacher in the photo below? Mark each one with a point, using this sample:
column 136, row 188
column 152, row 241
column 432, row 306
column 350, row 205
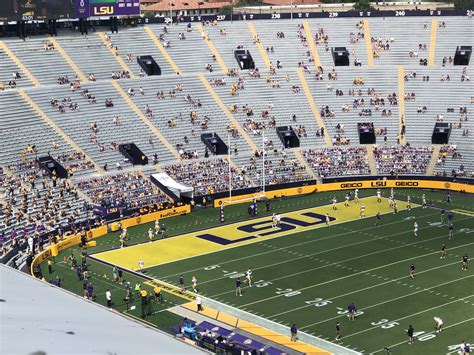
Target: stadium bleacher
column 82, row 133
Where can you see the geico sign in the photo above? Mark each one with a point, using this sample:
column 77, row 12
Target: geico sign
column 351, row 185
column 406, row 183
column 104, row 10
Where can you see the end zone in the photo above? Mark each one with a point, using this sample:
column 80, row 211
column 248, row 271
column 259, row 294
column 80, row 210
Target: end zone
column 237, row 234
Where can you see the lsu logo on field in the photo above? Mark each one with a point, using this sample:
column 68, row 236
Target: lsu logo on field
column 103, row 10
column 263, row 228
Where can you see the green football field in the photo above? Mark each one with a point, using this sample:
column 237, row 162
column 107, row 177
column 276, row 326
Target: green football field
column 309, row 278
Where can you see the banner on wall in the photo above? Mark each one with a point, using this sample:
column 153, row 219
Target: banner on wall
column 351, row 185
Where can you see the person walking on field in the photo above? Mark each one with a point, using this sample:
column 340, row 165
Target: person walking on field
column 338, row 331
column 410, row 333
column 199, row 304
column 108, row 297
column 294, row 333
column 238, row 287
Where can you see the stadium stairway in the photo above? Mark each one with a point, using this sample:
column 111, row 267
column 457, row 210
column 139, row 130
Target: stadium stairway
column 339, row 35
column 235, row 123
column 304, row 164
column 137, row 42
column 288, row 50
column 280, row 102
column 90, row 55
column 191, row 54
column 22, row 126
column 77, row 124
column 178, row 109
column 433, row 161
column 68, row 59
column 368, row 43
column 238, row 34
column 401, row 104
column 9, row 63
column 164, row 53
column 212, row 48
column 314, row 108
column 116, row 53
column 258, row 43
column 371, row 160
column 432, row 47
column 382, row 79
column 43, row 65
column 239, row 172
column 145, row 120
column 312, row 44
column 55, row 127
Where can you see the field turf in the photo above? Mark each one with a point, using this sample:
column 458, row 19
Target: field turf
column 310, row 277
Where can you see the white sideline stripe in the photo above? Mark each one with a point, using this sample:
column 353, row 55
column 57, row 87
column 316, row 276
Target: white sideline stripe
column 287, row 247
column 345, row 277
column 268, row 238
column 391, row 300
column 341, row 247
column 447, row 327
column 411, row 315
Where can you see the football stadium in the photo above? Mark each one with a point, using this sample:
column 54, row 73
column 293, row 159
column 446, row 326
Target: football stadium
column 236, row 177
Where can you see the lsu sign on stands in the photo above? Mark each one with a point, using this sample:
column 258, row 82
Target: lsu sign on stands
column 97, row 8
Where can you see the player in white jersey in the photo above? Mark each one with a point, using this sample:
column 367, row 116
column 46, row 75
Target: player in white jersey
column 356, row 196
column 392, row 193
column 141, row 265
column 346, row 202
column 334, row 201
column 273, row 220
column 390, row 202
column 362, row 211
column 409, row 203
column 277, row 219
column 150, row 234
column 328, row 220
column 248, row 277
column 124, row 233
column 194, row 283
column 438, row 324
column 379, row 196
column 415, row 229
column 423, row 200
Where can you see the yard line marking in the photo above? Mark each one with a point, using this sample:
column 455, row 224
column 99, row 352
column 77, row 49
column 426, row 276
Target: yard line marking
column 328, row 263
column 411, row 315
column 278, row 249
column 444, row 328
column 341, row 278
column 375, row 286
